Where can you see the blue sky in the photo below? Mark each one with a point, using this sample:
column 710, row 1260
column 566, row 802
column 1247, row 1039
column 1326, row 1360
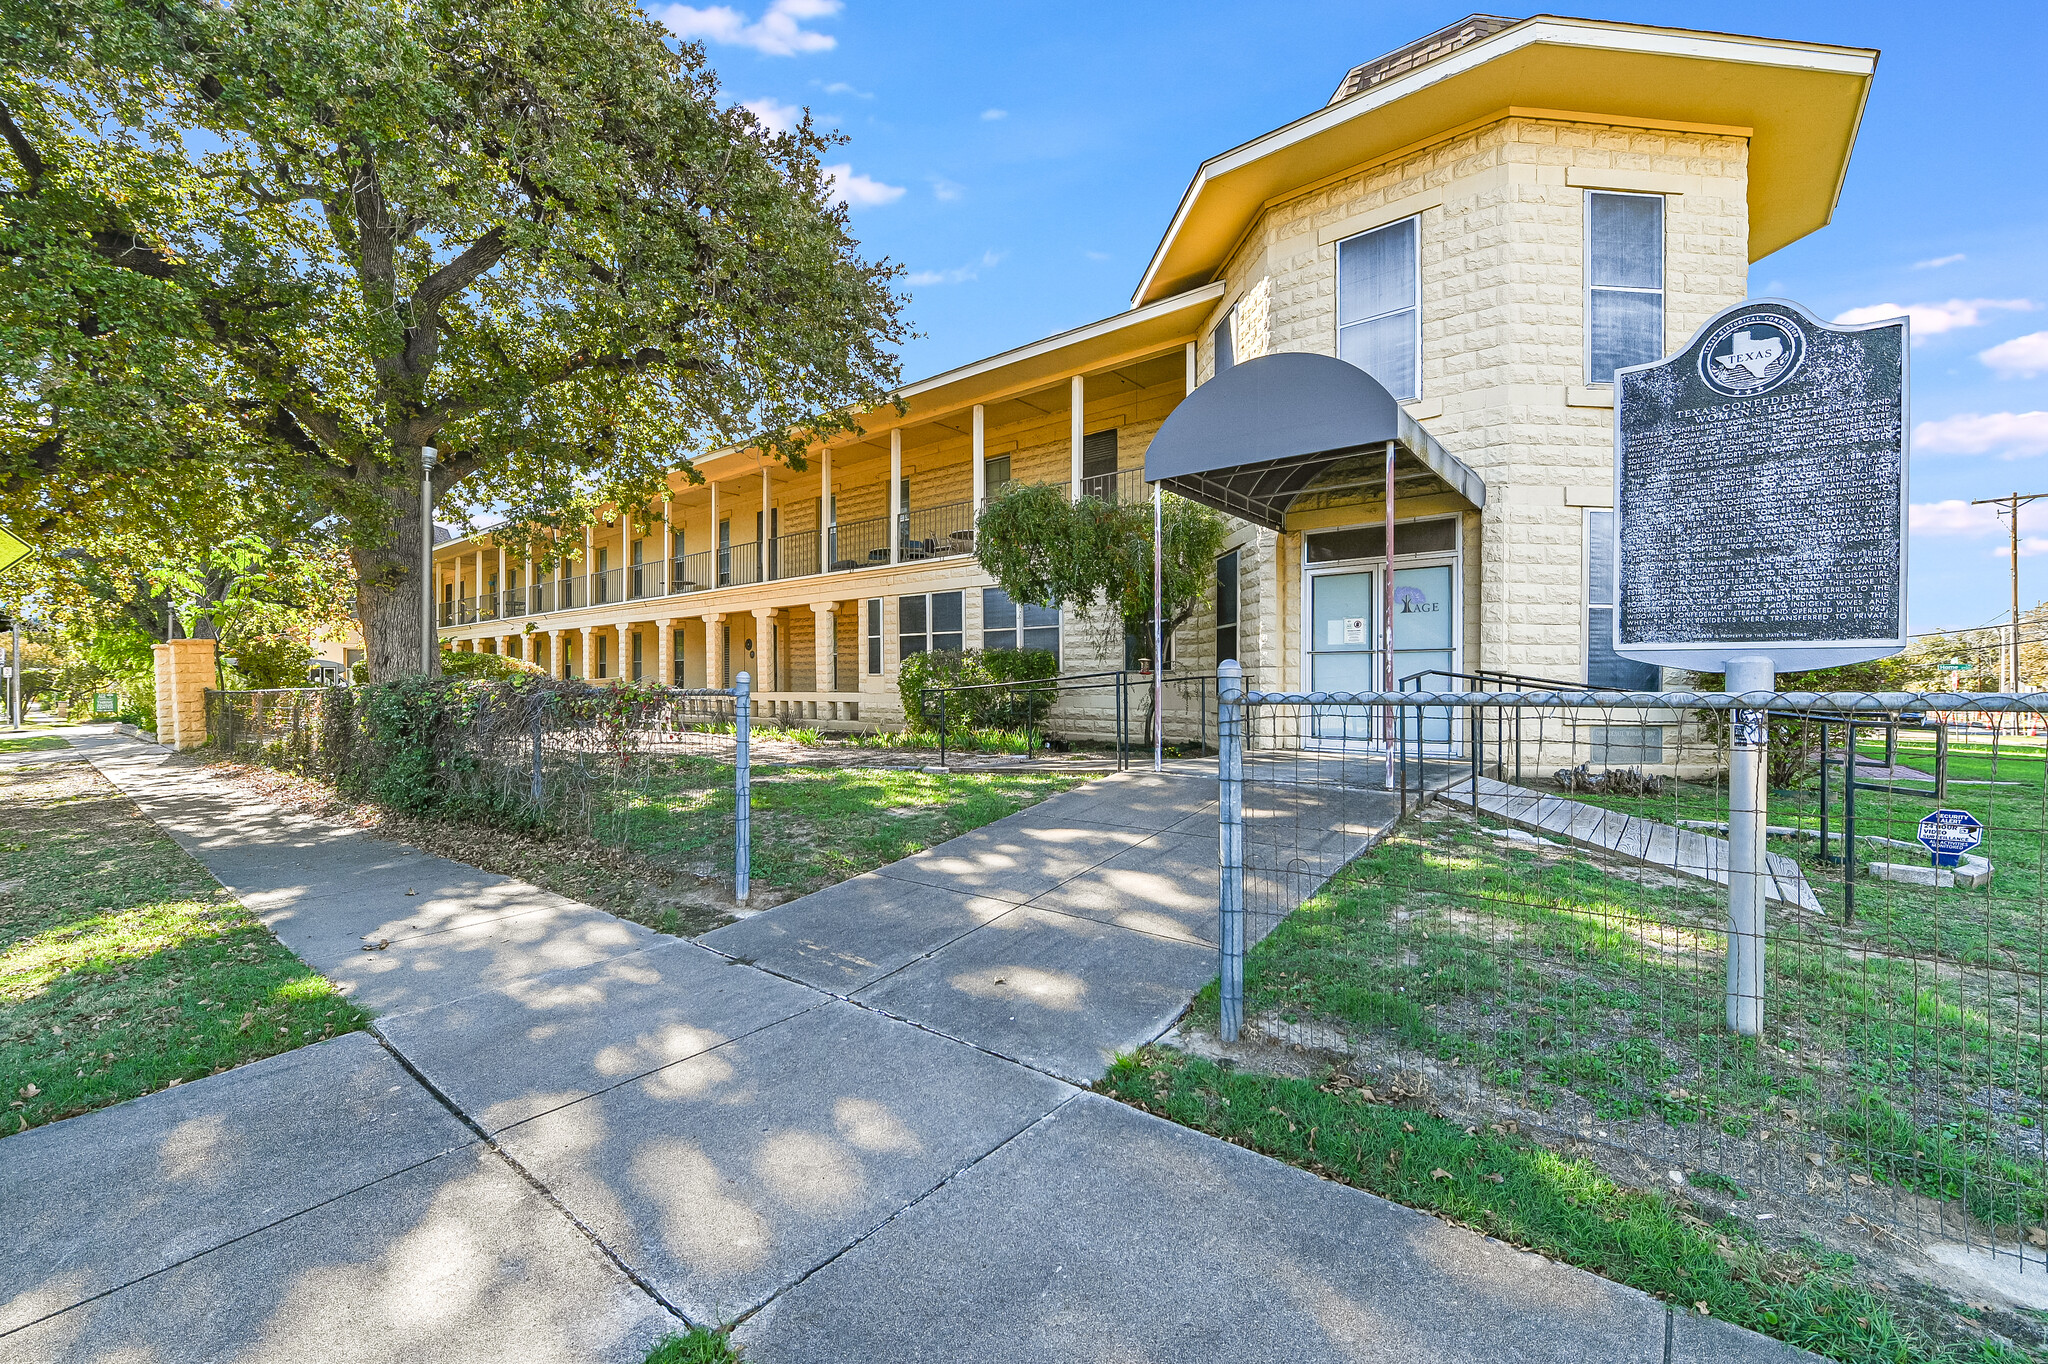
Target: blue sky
column 1022, row 160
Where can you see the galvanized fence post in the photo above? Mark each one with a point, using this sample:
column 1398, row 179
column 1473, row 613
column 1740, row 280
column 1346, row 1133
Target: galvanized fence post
column 742, row 791
column 1230, row 845
column 1747, row 871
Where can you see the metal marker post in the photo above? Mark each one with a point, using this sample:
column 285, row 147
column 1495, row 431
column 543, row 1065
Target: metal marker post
column 1747, row 767
column 1230, row 849
column 1158, row 633
column 742, row 791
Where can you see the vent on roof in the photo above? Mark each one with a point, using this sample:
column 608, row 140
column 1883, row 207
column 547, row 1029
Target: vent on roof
column 1421, row 52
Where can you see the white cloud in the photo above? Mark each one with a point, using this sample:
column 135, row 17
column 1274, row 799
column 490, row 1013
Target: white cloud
column 1938, row 262
column 946, row 191
column 842, row 88
column 1932, row 319
column 2011, row 434
column 860, row 191
column 2023, row 355
column 779, row 32
column 779, row 117
column 1096, row 255
column 1953, row 517
column 991, row 115
column 959, row 274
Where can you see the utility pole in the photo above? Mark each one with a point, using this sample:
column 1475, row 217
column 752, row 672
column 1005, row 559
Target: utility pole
column 2010, row 507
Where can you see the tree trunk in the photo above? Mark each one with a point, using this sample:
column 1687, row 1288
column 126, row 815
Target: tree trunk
column 390, row 605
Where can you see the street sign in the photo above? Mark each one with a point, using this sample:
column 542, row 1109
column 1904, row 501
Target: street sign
column 12, row 550
column 1760, row 493
column 1949, row 834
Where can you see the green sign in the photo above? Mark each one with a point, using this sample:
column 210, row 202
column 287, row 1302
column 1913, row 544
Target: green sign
column 106, row 703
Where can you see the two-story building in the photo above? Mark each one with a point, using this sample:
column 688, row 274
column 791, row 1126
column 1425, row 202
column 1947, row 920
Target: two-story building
column 1481, row 227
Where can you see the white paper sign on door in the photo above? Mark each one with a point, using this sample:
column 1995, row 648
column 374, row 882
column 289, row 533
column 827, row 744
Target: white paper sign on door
column 1354, row 629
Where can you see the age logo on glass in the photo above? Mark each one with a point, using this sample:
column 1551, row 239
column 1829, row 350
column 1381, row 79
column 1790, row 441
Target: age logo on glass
column 1752, row 354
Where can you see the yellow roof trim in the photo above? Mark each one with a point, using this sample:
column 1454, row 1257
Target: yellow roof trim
column 1801, row 102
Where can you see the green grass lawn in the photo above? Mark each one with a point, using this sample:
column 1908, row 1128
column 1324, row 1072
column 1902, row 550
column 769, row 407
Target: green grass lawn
column 32, row 743
column 812, row 826
column 1548, row 975
column 124, row 967
column 1498, row 1182
column 696, row 1346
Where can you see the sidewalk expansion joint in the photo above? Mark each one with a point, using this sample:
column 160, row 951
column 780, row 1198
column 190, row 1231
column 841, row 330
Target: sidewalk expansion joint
column 490, row 1143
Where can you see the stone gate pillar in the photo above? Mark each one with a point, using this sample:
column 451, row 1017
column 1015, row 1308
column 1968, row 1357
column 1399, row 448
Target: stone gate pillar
column 184, row 670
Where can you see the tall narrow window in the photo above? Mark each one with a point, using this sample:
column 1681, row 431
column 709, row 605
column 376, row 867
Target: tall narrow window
column 997, row 473
column 1098, row 465
column 602, row 650
column 1624, row 282
column 874, row 636
column 1225, row 339
column 1604, row 667
column 1226, row 607
column 929, row 621
column 1378, row 321
column 677, row 654
column 636, row 655
column 725, row 552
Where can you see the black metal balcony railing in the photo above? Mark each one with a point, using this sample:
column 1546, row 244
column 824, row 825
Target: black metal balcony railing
column 571, row 593
column 644, row 580
column 938, row 532
column 512, row 603
column 607, row 585
column 794, row 555
column 857, row 544
column 692, row 572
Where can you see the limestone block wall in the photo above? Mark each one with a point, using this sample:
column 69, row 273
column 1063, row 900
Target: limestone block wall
column 1502, row 211
column 184, row 671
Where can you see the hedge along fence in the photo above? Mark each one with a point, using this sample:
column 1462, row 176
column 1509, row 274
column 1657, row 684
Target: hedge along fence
column 530, row 753
column 1006, row 708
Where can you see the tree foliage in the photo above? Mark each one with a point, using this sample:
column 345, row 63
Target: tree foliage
column 315, row 235
column 1094, row 557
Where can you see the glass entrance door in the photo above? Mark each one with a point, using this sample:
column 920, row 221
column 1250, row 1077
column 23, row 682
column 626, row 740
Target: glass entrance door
column 1344, row 644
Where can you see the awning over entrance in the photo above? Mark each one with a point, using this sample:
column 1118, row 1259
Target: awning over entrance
column 1268, row 434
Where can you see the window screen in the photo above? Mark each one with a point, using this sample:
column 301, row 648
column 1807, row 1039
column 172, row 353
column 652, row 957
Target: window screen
column 1439, row 536
column 1604, row 667
column 996, row 473
column 1624, row 282
column 1226, row 606
column 1226, row 348
column 874, row 634
column 929, row 621
column 1098, row 465
column 1377, row 316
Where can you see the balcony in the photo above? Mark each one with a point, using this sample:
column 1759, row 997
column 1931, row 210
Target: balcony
column 919, row 535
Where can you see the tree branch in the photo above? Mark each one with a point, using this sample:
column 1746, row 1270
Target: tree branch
column 24, row 151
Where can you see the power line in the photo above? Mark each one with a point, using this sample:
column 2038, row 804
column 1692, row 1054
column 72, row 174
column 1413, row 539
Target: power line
column 2010, row 506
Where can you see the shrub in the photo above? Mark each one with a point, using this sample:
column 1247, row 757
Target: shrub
column 992, row 708
column 485, row 667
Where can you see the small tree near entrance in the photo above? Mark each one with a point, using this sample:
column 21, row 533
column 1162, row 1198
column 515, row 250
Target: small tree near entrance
column 1094, row 558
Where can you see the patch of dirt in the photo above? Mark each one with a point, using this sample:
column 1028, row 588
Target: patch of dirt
column 581, row 868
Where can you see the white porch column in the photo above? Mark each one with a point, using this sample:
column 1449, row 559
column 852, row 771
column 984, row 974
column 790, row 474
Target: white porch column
column 714, row 650
column 896, row 495
column 665, row 651
column 1078, row 402
column 668, row 546
column 499, row 605
column 828, row 517
column 766, row 523
column 1191, row 367
column 980, row 464
column 479, row 582
column 824, row 646
column 589, row 583
column 764, row 649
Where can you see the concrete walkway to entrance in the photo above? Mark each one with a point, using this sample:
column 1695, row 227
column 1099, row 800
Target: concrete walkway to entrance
column 852, row 1121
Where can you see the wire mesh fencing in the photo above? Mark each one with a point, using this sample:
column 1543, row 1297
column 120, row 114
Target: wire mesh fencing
column 663, row 772
column 1543, row 909
column 1125, row 711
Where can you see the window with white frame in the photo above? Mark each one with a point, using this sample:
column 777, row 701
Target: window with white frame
column 874, row 636
column 1624, row 282
column 929, row 620
column 1379, row 320
column 996, row 473
column 1225, row 339
column 1604, row 667
column 1007, row 625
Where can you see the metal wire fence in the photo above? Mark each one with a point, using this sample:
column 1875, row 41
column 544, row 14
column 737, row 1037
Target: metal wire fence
column 1529, row 910
column 664, row 772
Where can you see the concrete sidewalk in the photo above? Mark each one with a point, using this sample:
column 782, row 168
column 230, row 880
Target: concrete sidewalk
column 851, row 1120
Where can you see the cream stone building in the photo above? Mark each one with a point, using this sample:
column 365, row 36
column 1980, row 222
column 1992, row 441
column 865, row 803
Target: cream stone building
column 1481, row 226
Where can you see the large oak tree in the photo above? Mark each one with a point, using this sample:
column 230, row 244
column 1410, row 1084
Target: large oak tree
column 527, row 232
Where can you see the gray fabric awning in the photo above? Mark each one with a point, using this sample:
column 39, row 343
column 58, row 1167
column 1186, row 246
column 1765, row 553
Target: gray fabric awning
column 1261, row 435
